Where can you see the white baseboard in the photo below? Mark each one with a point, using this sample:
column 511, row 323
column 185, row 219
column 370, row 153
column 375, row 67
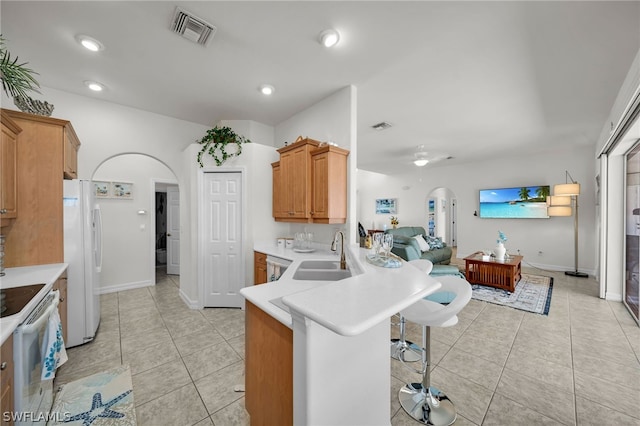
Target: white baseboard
column 192, row 304
column 554, row 268
column 613, row 297
column 126, row 286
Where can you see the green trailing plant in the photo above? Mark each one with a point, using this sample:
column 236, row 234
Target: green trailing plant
column 217, row 142
column 17, row 79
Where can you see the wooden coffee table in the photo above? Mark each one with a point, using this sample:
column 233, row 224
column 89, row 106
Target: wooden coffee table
column 503, row 274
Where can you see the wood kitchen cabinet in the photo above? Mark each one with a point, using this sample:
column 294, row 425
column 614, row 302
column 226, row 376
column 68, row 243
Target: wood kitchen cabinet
column 8, row 162
column 310, row 183
column 61, row 286
column 71, row 147
column 292, row 197
column 36, row 235
column 269, row 369
column 6, row 380
column 279, row 209
column 259, row 268
column 329, row 184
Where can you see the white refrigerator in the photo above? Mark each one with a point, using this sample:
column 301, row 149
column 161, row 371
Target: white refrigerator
column 83, row 253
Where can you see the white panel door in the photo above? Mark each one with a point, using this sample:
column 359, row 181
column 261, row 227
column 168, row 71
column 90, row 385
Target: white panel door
column 173, row 230
column 222, row 231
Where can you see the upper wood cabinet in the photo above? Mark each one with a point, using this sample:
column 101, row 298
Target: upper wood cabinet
column 71, row 147
column 8, row 178
column 329, row 185
column 59, row 132
column 36, row 235
column 278, row 203
column 310, row 183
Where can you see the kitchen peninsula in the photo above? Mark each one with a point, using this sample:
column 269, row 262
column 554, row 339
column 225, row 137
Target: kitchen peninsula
column 328, row 341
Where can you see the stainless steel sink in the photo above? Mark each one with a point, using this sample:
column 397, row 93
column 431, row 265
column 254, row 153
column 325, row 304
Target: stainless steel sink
column 321, row 274
column 319, row 264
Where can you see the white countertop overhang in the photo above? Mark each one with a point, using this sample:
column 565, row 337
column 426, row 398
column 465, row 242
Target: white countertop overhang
column 347, row 307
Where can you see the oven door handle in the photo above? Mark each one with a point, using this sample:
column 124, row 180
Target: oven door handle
column 35, row 326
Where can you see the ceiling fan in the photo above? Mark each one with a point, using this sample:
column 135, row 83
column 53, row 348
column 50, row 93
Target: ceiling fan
column 422, row 157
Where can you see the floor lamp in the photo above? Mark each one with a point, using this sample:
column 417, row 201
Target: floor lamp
column 559, row 204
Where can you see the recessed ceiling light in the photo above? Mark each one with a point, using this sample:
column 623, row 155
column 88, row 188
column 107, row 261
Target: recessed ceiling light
column 329, row 38
column 267, row 89
column 89, row 43
column 95, row 86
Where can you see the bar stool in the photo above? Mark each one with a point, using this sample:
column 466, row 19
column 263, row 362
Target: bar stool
column 421, row 401
column 402, row 349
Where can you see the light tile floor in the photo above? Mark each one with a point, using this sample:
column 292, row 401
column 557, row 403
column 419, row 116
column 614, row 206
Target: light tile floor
column 578, row 366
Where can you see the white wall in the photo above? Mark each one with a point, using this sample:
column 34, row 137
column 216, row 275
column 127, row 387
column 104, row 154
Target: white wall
column 259, row 225
column 106, row 130
column 553, row 237
column 332, row 119
column 254, row 131
column 128, row 252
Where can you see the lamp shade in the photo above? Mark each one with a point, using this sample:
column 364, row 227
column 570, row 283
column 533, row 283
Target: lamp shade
column 558, row 200
column 559, row 211
column 566, row 189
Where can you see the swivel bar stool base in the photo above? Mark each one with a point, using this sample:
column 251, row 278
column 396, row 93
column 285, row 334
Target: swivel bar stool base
column 430, row 408
column 422, row 401
column 404, row 348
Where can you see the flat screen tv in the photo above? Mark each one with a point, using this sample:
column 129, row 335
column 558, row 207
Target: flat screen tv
column 525, row 202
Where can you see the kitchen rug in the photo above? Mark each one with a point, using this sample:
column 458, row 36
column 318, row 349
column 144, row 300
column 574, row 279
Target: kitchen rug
column 532, row 294
column 102, row 399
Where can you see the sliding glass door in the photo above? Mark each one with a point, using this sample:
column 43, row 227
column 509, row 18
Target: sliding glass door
column 632, row 225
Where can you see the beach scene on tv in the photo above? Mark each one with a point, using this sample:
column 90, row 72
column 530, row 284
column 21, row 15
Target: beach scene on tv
column 528, row 202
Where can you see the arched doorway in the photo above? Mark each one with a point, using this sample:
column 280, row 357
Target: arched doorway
column 441, row 215
column 129, row 222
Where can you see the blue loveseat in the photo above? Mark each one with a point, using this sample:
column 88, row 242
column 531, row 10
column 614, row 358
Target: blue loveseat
column 407, row 247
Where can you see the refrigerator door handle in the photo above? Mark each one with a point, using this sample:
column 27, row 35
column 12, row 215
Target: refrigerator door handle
column 98, row 237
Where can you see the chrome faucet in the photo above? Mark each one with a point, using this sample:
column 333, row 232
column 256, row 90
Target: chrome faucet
column 343, row 261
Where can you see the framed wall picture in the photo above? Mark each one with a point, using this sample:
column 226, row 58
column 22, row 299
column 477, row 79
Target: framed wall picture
column 101, row 189
column 122, row 190
column 386, row 206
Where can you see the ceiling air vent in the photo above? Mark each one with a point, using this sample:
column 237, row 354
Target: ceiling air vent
column 381, row 126
column 191, row 27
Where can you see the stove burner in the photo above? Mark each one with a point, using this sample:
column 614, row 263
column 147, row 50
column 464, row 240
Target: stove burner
column 16, row 298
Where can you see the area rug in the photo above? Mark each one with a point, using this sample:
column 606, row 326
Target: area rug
column 532, row 294
column 101, row 399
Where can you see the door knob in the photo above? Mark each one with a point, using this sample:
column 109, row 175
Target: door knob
column 168, row 235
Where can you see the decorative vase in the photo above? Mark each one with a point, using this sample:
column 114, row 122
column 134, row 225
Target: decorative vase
column 32, row 106
column 500, row 251
column 395, row 226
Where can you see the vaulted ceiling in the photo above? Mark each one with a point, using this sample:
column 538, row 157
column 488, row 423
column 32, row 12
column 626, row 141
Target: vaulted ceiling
column 471, row 80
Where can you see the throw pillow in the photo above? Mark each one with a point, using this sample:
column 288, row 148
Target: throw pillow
column 421, row 243
column 434, row 242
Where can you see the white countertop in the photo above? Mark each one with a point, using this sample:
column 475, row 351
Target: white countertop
column 347, row 307
column 23, row 276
